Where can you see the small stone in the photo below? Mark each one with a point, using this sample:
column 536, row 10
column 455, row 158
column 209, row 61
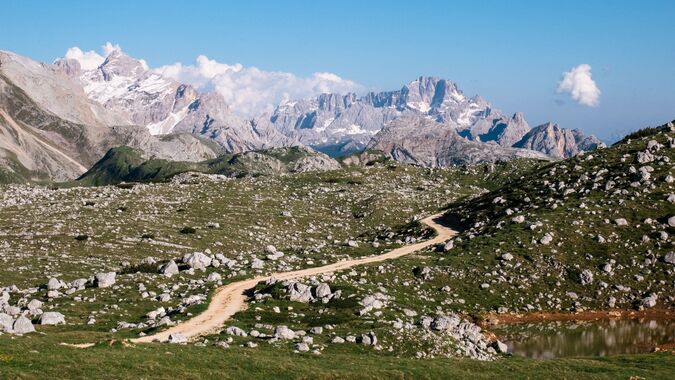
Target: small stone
column 302, row 347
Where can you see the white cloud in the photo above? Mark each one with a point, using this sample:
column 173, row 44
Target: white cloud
column 250, row 91
column 90, row 60
column 578, row 82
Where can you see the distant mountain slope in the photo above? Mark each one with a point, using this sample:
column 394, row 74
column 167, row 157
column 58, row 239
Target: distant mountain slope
column 38, row 144
column 429, row 143
column 125, row 164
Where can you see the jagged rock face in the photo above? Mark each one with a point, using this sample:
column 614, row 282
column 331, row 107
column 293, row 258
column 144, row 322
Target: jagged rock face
column 425, row 142
column 210, row 117
column 340, row 125
column 330, row 121
column 557, row 142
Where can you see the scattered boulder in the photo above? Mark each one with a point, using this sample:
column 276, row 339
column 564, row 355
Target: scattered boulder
column 53, row 284
column 669, row 258
column 501, row 347
column 22, row 325
column 649, row 300
column 169, row 269
column 236, row 331
column 104, row 280
column 6, row 322
column 518, row 219
column 299, row 292
column 52, row 318
column 369, row 339
column 621, row 222
column 586, row 277
column 283, row 332
column 197, row 260
column 322, row 290
column 302, row 347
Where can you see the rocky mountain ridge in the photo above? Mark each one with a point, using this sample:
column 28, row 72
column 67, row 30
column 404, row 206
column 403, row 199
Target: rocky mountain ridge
column 123, row 102
column 341, row 124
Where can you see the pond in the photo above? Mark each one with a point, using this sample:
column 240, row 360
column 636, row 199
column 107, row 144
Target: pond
column 548, row 340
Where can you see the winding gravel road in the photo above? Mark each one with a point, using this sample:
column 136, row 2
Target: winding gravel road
column 230, row 298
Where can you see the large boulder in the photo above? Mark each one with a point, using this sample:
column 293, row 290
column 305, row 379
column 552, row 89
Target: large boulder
column 169, row 269
column 197, row 260
column 299, row 292
column 104, row 280
column 586, row 277
column 322, row 290
column 236, row 331
column 22, row 325
column 53, row 284
column 669, row 258
column 52, row 318
column 649, row 300
column 6, row 322
column 34, row 305
column 177, row 338
column 283, row 332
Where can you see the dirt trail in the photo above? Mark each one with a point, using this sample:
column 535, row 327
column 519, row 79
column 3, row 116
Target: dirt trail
column 230, row 298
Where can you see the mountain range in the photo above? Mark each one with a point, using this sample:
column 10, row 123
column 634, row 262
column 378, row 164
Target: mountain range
column 58, row 119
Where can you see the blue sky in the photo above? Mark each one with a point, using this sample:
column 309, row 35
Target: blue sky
column 513, row 53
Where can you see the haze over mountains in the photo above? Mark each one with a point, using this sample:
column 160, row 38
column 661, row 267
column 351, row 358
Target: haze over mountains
column 59, row 119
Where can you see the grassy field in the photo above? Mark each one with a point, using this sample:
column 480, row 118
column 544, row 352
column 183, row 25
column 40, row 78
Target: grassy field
column 40, row 357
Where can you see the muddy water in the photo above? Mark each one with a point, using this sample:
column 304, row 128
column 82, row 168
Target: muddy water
column 548, row 340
